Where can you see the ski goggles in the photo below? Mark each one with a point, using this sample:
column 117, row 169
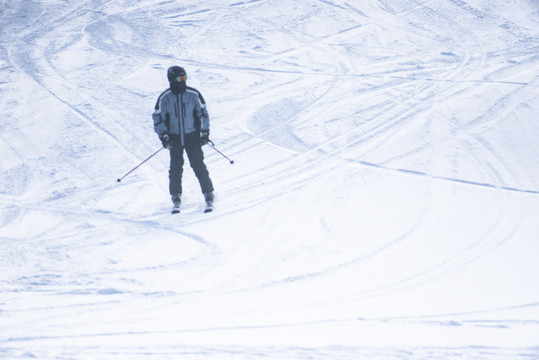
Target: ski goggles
column 180, row 78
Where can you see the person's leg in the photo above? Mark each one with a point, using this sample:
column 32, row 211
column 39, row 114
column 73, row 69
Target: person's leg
column 176, row 166
column 196, row 159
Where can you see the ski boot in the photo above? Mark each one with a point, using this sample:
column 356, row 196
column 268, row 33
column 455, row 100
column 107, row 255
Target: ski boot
column 176, row 200
column 208, row 197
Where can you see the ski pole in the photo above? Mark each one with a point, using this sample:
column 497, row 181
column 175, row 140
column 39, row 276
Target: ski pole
column 223, row 155
column 136, row 167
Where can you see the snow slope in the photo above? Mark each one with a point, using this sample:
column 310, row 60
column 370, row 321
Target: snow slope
column 383, row 203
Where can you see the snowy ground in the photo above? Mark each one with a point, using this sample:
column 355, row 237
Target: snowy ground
column 383, row 204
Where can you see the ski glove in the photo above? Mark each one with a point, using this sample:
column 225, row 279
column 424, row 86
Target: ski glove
column 204, row 137
column 165, row 140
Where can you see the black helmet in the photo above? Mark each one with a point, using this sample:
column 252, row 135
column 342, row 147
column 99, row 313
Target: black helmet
column 177, row 79
column 175, row 71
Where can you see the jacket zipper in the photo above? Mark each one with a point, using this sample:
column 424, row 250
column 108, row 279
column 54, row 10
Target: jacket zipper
column 181, row 118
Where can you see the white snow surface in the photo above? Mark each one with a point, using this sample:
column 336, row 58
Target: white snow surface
column 383, row 203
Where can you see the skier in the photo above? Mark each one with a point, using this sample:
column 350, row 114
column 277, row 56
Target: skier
column 182, row 122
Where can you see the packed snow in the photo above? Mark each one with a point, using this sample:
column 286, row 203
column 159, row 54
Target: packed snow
column 383, row 202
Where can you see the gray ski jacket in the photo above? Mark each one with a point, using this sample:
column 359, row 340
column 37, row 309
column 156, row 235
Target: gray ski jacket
column 181, row 113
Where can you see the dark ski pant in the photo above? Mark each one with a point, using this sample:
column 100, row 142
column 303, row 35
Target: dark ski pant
column 196, row 159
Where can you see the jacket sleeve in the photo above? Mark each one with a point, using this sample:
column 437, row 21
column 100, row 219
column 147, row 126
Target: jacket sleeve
column 160, row 117
column 202, row 113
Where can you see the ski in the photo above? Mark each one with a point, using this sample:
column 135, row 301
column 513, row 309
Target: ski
column 207, row 209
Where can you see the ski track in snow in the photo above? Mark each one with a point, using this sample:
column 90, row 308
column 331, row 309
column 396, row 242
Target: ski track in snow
column 382, row 204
